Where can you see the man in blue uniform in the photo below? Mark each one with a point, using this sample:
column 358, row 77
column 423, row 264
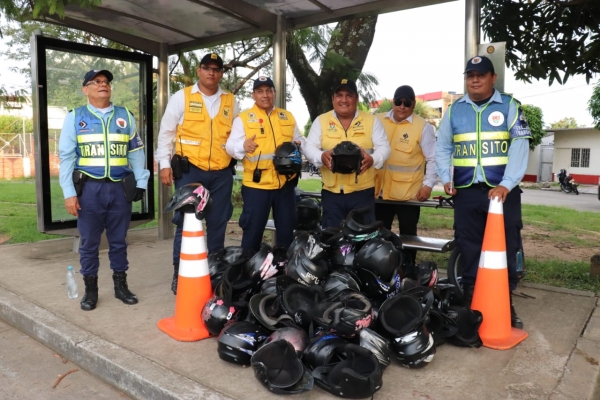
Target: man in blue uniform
column 486, row 136
column 100, row 150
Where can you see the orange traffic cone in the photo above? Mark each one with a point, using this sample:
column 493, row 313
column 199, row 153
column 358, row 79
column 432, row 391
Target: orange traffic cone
column 491, row 295
column 193, row 287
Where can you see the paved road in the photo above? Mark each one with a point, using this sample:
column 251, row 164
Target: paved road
column 581, row 202
column 28, row 370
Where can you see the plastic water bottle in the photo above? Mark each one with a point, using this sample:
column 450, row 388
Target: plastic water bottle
column 71, row 284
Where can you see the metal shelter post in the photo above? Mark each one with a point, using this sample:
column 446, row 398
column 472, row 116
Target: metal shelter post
column 472, row 29
column 165, row 228
column 279, row 62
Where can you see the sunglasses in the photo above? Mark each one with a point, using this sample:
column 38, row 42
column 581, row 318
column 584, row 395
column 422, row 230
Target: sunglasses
column 399, row 102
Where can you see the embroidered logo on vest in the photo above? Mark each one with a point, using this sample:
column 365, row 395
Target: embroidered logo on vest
column 496, row 118
column 121, row 123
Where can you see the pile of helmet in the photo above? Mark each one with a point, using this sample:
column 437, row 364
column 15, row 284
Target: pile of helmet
column 334, row 309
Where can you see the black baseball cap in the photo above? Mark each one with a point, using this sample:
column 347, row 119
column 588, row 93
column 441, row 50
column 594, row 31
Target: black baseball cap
column 212, row 58
column 92, row 74
column 347, row 84
column 404, row 92
column 263, row 80
column 480, row 64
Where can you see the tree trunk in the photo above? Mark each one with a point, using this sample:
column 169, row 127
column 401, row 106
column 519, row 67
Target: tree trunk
column 346, row 55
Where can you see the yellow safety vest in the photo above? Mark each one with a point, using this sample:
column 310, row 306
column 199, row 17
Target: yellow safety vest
column 401, row 177
column 202, row 139
column 270, row 130
column 360, row 132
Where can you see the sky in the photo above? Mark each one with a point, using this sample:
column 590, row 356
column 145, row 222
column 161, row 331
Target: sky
column 424, row 48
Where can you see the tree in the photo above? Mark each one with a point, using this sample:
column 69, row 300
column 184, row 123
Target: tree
column 567, row 122
column 545, row 38
column 21, row 10
column 535, row 118
column 594, row 105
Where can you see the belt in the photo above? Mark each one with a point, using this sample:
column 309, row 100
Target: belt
column 479, row 185
column 107, row 179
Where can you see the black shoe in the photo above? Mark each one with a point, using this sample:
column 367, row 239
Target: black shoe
column 467, row 298
column 121, row 290
column 175, row 278
column 515, row 321
column 90, row 297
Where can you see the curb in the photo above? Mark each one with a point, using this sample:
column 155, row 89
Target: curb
column 136, row 376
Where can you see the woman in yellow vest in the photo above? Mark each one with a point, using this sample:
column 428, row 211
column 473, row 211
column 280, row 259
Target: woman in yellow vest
column 404, row 176
column 255, row 135
column 343, row 193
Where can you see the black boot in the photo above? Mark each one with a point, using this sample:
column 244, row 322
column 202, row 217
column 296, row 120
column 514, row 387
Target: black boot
column 515, row 321
column 468, row 289
column 90, row 297
column 121, row 290
column 175, row 278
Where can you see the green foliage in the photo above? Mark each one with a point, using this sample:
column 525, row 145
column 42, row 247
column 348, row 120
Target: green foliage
column 425, row 111
column 307, row 127
column 567, row 122
column 535, row 118
column 594, row 105
column 546, row 38
column 385, row 106
column 14, row 125
column 27, row 9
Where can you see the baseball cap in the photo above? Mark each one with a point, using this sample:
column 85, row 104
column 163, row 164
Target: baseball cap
column 263, row 80
column 212, row 58
column 92, row 74
column 347, row 84
column 480, row 64
column 404, row 92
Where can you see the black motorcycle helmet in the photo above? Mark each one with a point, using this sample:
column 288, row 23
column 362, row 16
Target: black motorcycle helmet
column 287, row 159
column 414, row 349
column 308, row 211
column 296, row 336
column 321, row 348
column 379, row 256
column 375, row 288
column 345, row 314
column 351, row 372
column 399, row 315
column 261, row 267
column 346, row 158
column 376, row 344
column 309, row 242
column 342, row 253
column 428, row 273
column 216, row 271
column 217, row 313
column 303, row 270
column 277, row 368
column 191, row 198
column 355, row 228
column 239, row 341
column 339, row 281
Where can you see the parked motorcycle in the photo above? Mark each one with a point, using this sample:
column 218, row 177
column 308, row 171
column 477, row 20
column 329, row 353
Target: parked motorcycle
column 567, row 183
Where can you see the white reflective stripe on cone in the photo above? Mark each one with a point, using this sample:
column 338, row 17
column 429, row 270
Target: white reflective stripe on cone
column 493, row 260
column 193, row 261
column 496, row 206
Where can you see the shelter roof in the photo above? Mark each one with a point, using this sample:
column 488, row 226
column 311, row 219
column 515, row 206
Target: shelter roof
column 193, row 24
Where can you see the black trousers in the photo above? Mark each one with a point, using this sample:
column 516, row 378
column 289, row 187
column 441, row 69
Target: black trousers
column 408, row 218
column 470, row 215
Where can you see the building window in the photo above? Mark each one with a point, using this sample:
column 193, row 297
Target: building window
column 580, row 158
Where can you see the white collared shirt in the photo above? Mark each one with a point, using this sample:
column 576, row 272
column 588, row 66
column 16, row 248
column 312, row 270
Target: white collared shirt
column 173, row 117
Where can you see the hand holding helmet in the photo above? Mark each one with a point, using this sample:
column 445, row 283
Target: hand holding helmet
column 367, row 161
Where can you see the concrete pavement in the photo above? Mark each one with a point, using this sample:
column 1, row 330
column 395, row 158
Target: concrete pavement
column 122, row 345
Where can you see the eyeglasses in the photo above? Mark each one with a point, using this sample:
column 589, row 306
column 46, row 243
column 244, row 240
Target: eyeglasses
column 215, row 70
column 399, row 102
column 97, row 82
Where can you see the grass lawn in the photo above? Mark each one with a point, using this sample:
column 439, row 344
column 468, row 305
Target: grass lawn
column 554, row 226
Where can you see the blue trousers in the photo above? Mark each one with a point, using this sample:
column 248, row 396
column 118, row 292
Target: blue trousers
column 219, row 184
column 337, row 206
column 470, row 215
column 103, row 206
column 258, row 203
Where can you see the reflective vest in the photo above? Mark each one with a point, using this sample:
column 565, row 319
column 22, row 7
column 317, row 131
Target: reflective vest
column 480, row 138
column 360, row 132
column 202, row 139
column 401, row 177
column 102, row 148
column 270, row 131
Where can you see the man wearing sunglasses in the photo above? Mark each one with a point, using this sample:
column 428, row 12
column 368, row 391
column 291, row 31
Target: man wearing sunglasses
column 485, row 137
column 343, row 193
column 100, row 150
column 196, row 124
column 404, row 175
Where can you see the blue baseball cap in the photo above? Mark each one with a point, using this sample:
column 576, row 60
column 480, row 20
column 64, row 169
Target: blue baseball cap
column 263, row 80
column 480, row 64
column 92, row 74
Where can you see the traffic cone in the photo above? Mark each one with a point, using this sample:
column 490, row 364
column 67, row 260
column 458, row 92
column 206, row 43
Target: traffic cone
column 193, row 287
column 491, row 295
